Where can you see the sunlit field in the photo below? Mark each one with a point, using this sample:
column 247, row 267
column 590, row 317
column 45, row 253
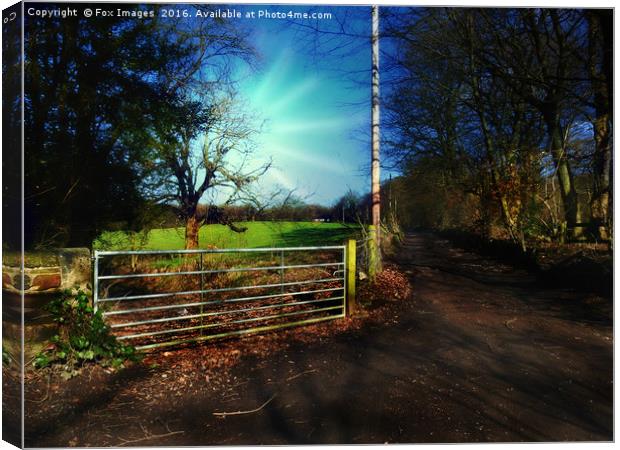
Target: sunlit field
column 258, row 234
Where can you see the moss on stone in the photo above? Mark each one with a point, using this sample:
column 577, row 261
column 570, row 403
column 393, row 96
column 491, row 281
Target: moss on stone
column 48, row 258
column 31, row 259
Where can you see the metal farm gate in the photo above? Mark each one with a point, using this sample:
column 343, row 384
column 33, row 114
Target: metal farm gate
column 162, row 298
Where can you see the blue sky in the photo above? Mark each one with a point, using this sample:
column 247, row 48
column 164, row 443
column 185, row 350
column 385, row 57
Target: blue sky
column 316, row 118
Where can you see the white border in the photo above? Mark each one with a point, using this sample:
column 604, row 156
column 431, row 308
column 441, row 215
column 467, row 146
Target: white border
column 488, row 3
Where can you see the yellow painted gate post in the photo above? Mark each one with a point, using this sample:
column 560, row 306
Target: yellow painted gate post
column 351, row 271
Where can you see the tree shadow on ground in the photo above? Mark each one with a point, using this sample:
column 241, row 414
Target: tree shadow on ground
column 462, row 361
column 319, row 236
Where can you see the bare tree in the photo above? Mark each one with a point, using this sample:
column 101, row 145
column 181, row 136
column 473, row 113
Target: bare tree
column 201, row 148
column 205, row 150
column 533, row 51
column 599, row 66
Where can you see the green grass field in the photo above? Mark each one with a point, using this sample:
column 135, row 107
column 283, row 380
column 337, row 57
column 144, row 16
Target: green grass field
column 258, row 234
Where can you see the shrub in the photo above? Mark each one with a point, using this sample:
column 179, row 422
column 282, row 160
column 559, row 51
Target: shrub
column 82, row 337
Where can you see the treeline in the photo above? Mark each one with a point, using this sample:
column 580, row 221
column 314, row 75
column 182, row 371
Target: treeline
column 115, row 110
column 500, row 120
column 350, row 208
column 91, row 95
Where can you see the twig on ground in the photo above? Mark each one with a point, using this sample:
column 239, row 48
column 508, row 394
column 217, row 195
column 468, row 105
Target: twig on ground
column 47, row 392
column 237, row 413
column 300, row 374
column 147, row 437
column 118, row 405
column 508, row 322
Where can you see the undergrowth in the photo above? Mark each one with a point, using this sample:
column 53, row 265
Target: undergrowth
column 82, row 337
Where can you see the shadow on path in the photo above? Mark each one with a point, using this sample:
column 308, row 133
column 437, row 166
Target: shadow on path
column 480, row 353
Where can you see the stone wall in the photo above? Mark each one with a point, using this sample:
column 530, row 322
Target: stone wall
column 46, row 274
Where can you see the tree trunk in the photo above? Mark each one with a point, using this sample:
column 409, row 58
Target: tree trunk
column 602, row 170
column 192, row 227
column 572, row 213
column 375, row 151
column 599, row 56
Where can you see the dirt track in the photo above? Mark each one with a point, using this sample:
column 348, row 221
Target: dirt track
column 481, row 353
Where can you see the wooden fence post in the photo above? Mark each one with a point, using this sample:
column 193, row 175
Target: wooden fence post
column 350, row 275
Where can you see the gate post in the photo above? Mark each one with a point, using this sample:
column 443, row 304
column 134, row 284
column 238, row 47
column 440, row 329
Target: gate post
column 350, row 275
column 95, row 259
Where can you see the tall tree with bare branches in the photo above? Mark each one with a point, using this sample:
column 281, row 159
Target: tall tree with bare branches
column 201, row 150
